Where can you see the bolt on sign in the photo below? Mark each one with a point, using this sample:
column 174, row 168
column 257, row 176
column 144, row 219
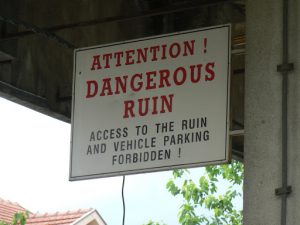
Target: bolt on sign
column 151, row 104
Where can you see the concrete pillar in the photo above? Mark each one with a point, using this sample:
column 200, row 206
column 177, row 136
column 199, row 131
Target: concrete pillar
column 263, row 86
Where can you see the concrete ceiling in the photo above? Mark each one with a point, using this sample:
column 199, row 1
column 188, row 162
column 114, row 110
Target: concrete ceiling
column 37, row 39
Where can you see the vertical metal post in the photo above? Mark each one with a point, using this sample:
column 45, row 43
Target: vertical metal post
column 284, row 111
column 284, row 68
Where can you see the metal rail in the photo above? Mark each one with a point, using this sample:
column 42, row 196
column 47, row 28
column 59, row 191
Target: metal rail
column 284, row 69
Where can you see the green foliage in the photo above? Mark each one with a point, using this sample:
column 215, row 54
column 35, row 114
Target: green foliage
column 203, row 196
column 3, row 223
column 153, row 223
column 203, row 202
column 19, row 218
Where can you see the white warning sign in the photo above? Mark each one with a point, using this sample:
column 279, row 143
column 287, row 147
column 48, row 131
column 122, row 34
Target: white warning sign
column 151, row 104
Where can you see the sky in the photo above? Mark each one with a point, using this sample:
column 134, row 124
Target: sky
column 34, row 172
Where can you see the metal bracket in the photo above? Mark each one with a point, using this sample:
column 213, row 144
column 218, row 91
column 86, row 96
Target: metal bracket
column 285, row 67
column 283, row 191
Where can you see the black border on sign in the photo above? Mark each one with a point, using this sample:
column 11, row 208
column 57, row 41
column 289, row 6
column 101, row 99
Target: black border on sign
column 227, row 156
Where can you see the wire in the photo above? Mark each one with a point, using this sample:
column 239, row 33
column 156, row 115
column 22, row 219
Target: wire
column 123, row 200
column 122, row 18
column 37, row 30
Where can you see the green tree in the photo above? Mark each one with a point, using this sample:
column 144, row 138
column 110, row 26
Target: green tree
column 153, row 223
column 203, row 204
column 19, row 218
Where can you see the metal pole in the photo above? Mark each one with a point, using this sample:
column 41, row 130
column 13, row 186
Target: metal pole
column 284, row 111
column 284, row 68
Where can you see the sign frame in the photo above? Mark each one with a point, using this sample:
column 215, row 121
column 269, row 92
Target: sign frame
column 227, row 154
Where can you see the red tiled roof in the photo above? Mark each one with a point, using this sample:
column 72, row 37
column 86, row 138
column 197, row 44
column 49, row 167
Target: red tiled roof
column 56, row 218
column 8, row 209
